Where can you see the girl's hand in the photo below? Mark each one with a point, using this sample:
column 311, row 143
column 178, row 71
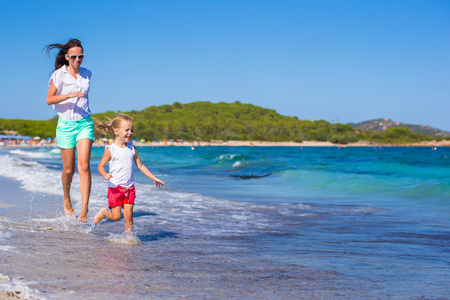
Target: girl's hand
column 108, row 176
column 79, row 94
column 159, row 183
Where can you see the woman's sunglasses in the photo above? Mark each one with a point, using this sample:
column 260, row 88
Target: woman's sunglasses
column 80, row 56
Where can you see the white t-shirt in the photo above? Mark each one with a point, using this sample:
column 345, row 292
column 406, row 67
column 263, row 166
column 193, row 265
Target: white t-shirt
column 72, row 109
column 121, row 165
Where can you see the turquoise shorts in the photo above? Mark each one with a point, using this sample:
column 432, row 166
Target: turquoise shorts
column 68, row 133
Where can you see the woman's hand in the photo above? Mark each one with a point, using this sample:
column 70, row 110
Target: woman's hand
column 108, row 176
column 79, row 94
column 52, row 98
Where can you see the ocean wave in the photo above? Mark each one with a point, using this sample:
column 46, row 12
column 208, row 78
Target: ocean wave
column 251, row 176
column 33, row 176
column 346, row 185
column 223, row 204
column 230, row 157
column 197, row 214
column 35, row 154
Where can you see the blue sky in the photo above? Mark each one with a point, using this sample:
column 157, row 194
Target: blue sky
column 346, row 61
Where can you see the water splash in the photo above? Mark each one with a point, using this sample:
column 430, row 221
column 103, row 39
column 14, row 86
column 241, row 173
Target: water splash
column 128, row 238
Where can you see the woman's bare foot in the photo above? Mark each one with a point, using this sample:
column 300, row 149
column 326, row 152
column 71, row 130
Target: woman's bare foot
column 99, row 216
column 68, row 209
column 83, row 215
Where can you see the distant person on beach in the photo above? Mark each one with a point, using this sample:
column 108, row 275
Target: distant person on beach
column 121, row 155
column 68, row 93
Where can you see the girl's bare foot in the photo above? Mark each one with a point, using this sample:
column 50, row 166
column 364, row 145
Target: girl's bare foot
column 99, row 216
column 68, row 209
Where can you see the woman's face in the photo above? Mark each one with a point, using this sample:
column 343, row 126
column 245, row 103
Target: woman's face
column 75, row 57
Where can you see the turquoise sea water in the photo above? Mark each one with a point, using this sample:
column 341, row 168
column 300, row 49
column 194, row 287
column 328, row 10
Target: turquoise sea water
column 251, row 222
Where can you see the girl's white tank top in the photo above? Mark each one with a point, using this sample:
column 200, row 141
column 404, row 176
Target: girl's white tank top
column 121, row 165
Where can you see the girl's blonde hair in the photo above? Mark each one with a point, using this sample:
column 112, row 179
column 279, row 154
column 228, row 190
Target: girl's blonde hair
column 109, row 126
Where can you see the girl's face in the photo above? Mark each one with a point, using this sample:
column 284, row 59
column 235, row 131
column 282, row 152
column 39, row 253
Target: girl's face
column 125, row 131
column 75, row 57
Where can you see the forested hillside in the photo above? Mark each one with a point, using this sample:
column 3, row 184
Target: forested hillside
column 229, row 121
column 30, row 127
column 208, row 121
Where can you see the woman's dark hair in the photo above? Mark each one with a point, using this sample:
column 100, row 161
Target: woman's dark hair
column 60, row 58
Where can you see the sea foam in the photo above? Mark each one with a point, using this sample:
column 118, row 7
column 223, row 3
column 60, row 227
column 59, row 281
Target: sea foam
column 19, row 288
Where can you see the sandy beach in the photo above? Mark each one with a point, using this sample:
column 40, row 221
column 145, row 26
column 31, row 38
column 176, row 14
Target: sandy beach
column 218, row 143
column 290, row 144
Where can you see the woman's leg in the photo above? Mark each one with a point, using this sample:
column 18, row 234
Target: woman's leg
column 68, row 160
column 84, row 147
column 128, row 215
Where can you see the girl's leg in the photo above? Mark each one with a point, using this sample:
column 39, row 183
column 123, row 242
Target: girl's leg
column 114, row 214
column 68, row 160
column 128, row 215
column 84, row 147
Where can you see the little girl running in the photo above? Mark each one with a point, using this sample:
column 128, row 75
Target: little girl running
column 121, row 154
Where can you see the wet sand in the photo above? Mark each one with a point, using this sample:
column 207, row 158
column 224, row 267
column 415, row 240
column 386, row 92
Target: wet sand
column 4, row 205
column 66, row 259
column 7, row 295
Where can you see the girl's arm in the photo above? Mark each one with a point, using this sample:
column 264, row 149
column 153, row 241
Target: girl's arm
column 101, row 166
column 146, row 171
column 52, row 98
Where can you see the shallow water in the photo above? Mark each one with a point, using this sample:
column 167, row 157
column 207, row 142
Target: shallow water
column 242, row 222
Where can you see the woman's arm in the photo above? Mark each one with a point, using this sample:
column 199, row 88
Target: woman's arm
column 52, row 98
column 101, row 166
column 146, row 171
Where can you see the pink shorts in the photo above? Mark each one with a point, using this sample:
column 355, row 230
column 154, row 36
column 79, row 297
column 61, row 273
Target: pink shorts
column 119, row 196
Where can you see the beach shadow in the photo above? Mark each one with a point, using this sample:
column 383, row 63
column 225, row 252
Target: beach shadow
column 251, row 176
column 157, row 236
column 138, row 214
